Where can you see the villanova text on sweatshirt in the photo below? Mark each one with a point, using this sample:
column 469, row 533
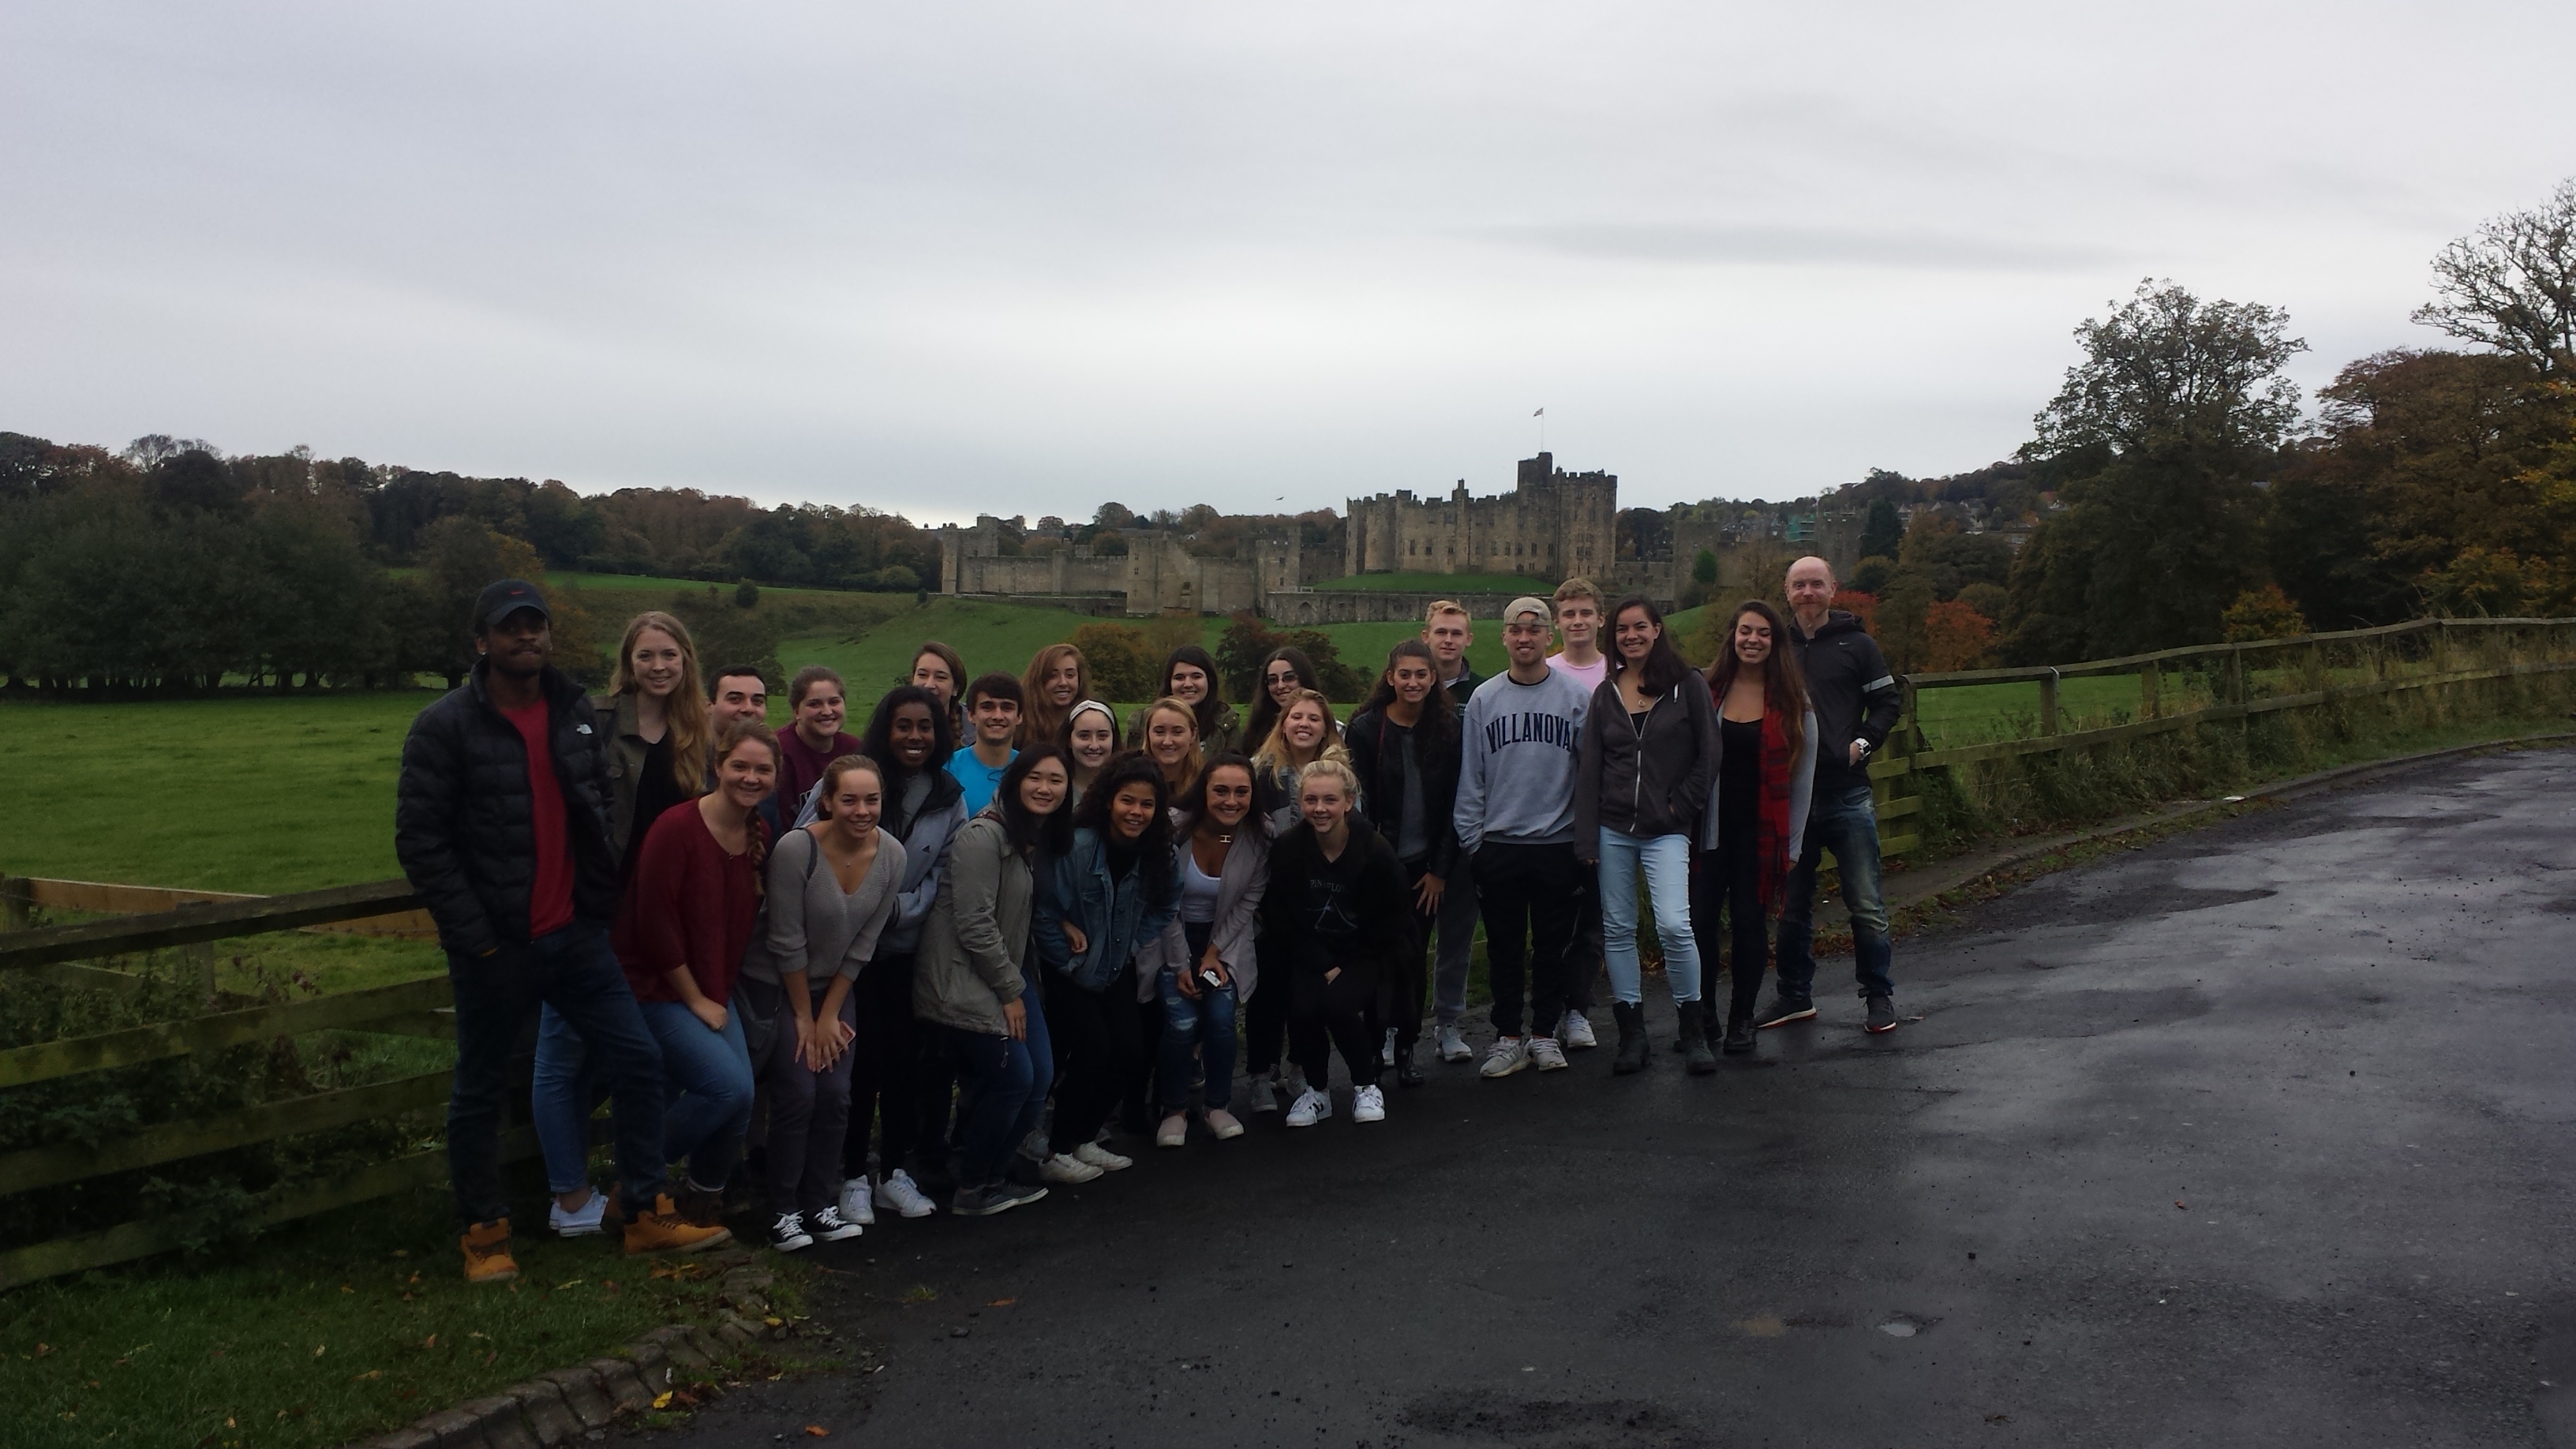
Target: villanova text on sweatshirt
column 1516, row 761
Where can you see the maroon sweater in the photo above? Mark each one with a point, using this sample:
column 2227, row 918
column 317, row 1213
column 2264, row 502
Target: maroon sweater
column 691, row 904
column 799, row 766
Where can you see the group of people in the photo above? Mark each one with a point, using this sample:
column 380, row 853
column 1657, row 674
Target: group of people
column 951, row 951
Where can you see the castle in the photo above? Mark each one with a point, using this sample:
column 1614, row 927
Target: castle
column 1553, row 525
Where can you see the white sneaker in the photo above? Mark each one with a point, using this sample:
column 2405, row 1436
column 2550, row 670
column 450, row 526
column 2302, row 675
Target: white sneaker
column 1312, row 1107
column 1101, row 1157
column 1066, row 1168
column 1546, row 1055
column 1507, row 1055
column 1451, row 1043
column 859, row 1202
column 828, row 1226
column 788, row 1233
column 898, row 1193
column 1368, row 1104
column 1576, row 1032
column 1223, row 1124
column 1386, row 1053
column 581, row 1222
column 1265, row 1093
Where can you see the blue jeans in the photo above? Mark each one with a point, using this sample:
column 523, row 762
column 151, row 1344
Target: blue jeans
column 577, row 978
column 561, row 1100
column 1207, row 1024
column 1845, row 822
column 1664, row 860
column 1041, row 1052
column 993, row 1079
column 707, row 1075
column 1457, row 940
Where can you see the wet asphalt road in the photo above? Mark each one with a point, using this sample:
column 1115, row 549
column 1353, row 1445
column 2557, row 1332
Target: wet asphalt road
column 2260, row 1136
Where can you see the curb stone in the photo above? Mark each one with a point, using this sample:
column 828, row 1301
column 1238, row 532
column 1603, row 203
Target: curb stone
column 571, row 1404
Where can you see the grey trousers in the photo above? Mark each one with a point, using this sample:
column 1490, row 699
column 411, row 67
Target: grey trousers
column 1457, row 928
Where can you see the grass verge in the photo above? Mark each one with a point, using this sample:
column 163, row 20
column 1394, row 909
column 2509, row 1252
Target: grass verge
column 345, row 1326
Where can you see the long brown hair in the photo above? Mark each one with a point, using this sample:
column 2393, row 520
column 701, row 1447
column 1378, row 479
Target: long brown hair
column 684, row 714
column 1040, row 720
column 1783, row 688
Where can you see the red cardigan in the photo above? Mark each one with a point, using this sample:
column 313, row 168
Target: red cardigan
column 690, row 904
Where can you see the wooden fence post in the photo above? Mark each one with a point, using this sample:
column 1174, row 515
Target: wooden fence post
column 17, row 903
column 2235, row 674
column 2150, row 685
column 2048, row 704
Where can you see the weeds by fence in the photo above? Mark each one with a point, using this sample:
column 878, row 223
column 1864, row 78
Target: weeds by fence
column 142, row 1111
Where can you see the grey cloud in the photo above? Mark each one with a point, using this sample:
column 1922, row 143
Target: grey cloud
column 1789, row 246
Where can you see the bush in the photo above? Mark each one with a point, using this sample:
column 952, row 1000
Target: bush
column 1124, row 667
column 1248, row 641
column 746, row 595
column 2264, row 613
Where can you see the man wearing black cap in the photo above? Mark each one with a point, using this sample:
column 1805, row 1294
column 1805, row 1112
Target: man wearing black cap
column 501, row 824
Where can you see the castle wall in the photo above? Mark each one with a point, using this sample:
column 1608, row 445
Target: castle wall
column 1551, row 525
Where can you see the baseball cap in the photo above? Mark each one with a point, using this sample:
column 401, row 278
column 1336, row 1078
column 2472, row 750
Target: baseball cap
column 1529, row 604
column 499, row 601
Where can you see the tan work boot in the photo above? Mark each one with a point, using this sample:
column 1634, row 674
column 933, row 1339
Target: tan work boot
column 666, row 1230
column 487, row 1253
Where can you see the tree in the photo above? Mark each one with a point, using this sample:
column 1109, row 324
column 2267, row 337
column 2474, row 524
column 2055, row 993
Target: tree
column 2422, row 455
column 1704, row 568
column 2512, row 285
column 2264, row 613
column 2175, row 411
column 1884, row 530
column 459, row 555
column 1123, row 665
column 1955, row 637
column 1113, row 515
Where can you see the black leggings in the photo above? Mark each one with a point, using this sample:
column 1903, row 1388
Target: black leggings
column 1265, row 1023
column 1097, row 1043
column 1407, row 991
column 885, row 1077
column 1728, row 881
column 1341, row 1011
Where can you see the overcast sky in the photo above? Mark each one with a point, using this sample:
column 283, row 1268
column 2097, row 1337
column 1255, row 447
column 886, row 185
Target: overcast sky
column 954, row 258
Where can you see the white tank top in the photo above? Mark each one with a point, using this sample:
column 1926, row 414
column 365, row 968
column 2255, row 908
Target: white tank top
column 1198, row 889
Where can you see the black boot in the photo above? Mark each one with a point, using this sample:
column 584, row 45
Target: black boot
column 1406, row 1073
column 1739, row 1036
column 1632, row 1039
column 1693, row 1043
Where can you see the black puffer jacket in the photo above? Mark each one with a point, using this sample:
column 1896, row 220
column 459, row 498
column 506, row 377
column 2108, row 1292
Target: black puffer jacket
column 463, row 821
column 1378, row 762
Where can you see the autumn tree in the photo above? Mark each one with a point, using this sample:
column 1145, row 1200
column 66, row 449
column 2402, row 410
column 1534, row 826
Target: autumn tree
column 2512, row 285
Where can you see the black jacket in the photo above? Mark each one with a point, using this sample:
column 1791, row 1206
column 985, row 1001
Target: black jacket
column 1380, row 766
column 1463, row 688
column 1385, row 910
column 1854, row 695
column 463, row 819
column 1654, row 785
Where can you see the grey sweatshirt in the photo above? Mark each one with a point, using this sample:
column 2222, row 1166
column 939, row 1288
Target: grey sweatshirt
column 808, row 924
column 1517, row 754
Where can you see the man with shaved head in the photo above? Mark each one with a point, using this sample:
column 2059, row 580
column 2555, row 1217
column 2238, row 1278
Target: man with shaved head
column 1856, row 701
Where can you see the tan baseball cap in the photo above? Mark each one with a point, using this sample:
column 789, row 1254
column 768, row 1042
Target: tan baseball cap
column 1529, row 604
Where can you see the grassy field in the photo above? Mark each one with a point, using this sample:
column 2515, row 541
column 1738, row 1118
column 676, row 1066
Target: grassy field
column 1443, row 584
column 653, row 583
column 345, row 1326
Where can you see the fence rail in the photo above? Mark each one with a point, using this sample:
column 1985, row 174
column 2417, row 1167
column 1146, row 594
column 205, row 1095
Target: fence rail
column 2423, row 655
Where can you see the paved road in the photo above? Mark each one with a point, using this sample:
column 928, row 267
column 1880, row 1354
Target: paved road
column 2257, row 1136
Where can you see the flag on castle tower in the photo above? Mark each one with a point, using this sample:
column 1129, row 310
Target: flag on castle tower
column 1542, row 412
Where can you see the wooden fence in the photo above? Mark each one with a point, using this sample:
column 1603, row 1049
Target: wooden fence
column 2211, row 684
column 2214, row 683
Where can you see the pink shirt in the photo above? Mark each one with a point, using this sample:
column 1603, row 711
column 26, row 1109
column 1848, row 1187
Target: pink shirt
column 1589, row 675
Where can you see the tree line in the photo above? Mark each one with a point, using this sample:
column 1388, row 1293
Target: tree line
column 168, row 566
column 2173, row 494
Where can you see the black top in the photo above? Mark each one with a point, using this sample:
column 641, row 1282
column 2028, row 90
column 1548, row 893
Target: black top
column 1331, row 909
column 1122, row 854
column 1739, row 780
column 655, row 792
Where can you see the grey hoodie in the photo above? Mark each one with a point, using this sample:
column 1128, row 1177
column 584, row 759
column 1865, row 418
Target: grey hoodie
column 1518, row 750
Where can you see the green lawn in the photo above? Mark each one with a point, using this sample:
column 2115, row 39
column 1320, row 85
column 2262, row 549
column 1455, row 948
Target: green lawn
column 1444, row 584
column 612, row 583
column 331, row 1330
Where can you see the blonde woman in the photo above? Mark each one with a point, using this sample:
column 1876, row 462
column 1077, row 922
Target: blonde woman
column 1169, row 734
column 1090, row 738
column 1306, row 732
column 1058, row 678
column 659, row 736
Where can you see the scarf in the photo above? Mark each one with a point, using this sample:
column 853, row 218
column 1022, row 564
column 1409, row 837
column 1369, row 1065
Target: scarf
column 1771, row 826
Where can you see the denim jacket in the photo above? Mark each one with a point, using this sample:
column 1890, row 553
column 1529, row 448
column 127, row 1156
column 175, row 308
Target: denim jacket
column 1115, row 917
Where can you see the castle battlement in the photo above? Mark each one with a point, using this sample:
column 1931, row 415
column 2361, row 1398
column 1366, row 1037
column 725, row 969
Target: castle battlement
column 1551, row 525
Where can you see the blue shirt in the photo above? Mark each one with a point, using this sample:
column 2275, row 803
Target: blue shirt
column 980, row 779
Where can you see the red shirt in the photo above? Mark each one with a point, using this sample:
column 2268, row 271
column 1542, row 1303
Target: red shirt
column 800, row 765
column 691, row 904
column 550, row 894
